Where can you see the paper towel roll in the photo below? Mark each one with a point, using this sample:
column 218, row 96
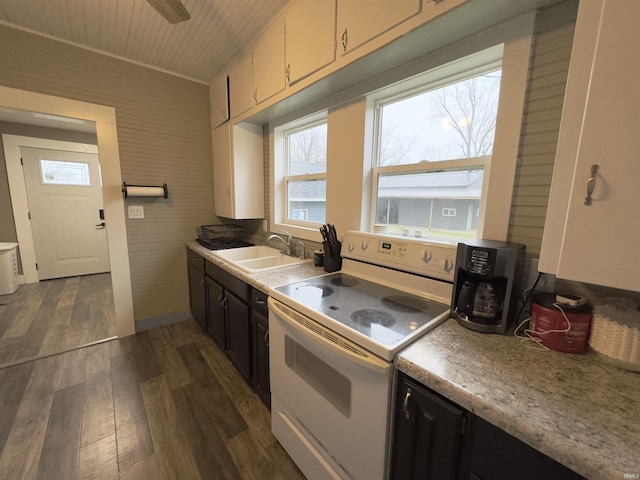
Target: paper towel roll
column 145, row 191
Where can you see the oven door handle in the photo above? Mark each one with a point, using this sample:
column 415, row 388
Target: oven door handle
column 330, row 340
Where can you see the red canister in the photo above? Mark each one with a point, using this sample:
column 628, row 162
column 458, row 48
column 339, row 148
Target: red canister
column 548, row 323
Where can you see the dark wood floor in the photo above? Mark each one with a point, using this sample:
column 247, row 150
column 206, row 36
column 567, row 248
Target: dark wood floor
column 54, row 316
column 165, row 403
column 162, row 404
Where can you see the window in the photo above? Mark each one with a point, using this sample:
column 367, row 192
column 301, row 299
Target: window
column 54, row 172
column 303, row 188
column 433, row 141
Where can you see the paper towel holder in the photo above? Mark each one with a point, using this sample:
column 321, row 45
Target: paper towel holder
column 145, row 190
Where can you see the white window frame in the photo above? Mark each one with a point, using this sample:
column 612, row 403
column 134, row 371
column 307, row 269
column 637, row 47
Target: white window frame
column 281, row 177
column 355, row 106
column 473, row 65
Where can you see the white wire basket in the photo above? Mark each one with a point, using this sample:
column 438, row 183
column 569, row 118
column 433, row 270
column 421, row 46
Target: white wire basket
column 615, row 332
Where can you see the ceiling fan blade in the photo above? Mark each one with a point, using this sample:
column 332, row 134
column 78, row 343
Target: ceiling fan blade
column 173, row 10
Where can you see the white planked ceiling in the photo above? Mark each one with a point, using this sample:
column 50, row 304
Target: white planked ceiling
column 197, row 49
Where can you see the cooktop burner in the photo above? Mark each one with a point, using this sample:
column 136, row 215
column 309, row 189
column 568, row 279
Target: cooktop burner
column 367, row 316
column 382, row 314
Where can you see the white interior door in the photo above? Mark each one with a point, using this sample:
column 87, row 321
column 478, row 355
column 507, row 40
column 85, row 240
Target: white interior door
column 65, row 200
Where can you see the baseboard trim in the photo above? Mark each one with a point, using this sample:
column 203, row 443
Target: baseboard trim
column 155, row 322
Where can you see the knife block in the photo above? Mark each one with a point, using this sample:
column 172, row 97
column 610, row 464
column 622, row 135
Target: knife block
column 333, row 261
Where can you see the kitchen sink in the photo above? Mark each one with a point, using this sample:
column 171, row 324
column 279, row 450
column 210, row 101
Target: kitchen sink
column 258, row 258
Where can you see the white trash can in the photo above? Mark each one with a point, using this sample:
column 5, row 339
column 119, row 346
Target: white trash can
column 8, row 268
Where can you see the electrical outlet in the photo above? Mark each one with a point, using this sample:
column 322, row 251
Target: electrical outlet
column 265, row 225
column 547, row 282
column 135, row 211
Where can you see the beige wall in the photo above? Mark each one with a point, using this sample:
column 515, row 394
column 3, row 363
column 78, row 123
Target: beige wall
column 164, row 136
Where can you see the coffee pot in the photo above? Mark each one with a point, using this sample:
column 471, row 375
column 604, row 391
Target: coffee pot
column 486, row 284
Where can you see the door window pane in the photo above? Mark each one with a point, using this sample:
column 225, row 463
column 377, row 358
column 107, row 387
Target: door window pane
column 64, row 173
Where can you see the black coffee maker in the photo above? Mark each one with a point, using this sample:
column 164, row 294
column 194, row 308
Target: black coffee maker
column 486, row 284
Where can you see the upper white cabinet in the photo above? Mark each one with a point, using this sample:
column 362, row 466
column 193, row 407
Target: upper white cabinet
column 219, row 98
column 241, row 84
column 310, row 37
column 238, row 174
column 269, row 63
column 597, row 242
column 260, row 72
column 362, row 20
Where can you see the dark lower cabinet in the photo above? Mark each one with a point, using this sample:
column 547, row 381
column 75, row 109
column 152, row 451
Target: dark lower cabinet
column 435, row 439
column 427, row 434
column 496, row 455
column 217, row 314
column 235, row 315
column 260, row 346
column 197, row 289
column 238, row 334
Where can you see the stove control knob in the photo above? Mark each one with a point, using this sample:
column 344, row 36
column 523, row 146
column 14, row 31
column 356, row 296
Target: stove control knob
column 350, row 246
column 426, row 256
column 364, row 245
column 446, row 264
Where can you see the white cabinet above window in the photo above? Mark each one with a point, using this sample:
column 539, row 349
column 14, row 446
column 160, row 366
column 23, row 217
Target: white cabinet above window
column 241, row 84
column 310, row 37
column 597, row 242
column 269, row 63
column 219, row 98
column 362, row 20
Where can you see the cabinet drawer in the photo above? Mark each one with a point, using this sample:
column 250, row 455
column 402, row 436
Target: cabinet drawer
column 230, row 282
column 195, row 259
column 259, row 301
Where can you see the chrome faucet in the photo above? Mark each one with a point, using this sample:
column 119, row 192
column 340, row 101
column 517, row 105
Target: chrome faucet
column 287, row 242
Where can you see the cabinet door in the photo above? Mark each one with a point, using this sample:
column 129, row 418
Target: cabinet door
column 356, row 28
column 260, row 340
column 241, row 85
column 216, row 309
column 222, row 174
column 427, row 434
column 238, row 334
column 197, row 296
column 238, row 172
column 599, row 241
column 269, row 63
column 310, row 38
column 496, row 455
column 219, row 98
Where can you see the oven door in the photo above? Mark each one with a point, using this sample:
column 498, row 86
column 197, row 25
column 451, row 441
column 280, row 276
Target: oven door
column 330, row 399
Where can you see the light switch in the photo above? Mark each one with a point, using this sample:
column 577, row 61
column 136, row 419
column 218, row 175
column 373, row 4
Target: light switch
column 135, row 211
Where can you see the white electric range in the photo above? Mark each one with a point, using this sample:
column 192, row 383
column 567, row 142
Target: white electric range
column 332, row 342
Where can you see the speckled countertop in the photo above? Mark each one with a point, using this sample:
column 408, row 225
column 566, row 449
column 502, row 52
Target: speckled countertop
column 574, row 408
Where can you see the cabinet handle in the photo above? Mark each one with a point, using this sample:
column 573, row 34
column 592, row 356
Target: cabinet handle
column 260, row 301
column 255, row 96
column 591, row 184
column 266, row 338
column 288, row 73
column 345, row 38
column 202, row 284
column 405, row 405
